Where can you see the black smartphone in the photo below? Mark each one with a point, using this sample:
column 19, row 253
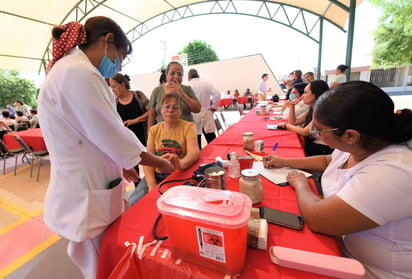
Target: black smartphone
column 282, row 218
column 114, row 183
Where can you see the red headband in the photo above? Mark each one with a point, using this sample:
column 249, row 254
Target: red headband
column 74, row 35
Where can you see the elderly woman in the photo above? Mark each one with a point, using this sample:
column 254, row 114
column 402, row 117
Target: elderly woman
column 173, row 139
column 174, row 77
column 366, row 180
column 313, row 146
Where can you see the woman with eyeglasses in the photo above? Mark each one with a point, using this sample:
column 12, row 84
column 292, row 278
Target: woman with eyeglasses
column 90, row 148
column 366, row 181
column 174, row 77
column 173, row 139
column 301, row 124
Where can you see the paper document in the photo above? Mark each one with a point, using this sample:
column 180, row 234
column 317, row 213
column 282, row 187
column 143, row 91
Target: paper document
column 277, row 176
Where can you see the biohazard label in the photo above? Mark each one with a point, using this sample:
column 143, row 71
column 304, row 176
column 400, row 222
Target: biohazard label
column 211, row 244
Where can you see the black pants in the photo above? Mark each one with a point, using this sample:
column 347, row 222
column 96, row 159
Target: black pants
column 209, row 137
column 2, row 133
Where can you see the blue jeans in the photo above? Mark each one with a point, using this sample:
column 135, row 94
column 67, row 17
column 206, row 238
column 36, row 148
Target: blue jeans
column 142, row 188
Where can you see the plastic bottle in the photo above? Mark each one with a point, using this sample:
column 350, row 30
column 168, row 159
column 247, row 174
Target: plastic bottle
column 234, row 166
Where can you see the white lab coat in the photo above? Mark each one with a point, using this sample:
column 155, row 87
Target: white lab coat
column 208, row 97
column 88, row 145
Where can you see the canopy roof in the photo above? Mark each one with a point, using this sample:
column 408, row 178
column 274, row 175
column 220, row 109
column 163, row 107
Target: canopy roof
column 26, row 25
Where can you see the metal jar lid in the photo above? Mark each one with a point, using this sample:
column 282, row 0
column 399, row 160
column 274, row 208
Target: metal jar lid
column 248, row 133
column 249, row 172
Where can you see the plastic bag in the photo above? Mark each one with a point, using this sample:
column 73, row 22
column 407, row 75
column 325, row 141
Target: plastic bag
column 128, row 266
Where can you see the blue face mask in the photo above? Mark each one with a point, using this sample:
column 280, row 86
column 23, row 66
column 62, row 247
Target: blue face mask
column 292, row 96
column 108, row 68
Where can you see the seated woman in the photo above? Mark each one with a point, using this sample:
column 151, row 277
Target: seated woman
column 313, row 146
column 173, row 139
column 295, row 104
column 4, row 129
column 366, row 180
column 174, row 76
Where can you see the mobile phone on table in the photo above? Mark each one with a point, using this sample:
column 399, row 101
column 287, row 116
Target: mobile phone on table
column 282, row 218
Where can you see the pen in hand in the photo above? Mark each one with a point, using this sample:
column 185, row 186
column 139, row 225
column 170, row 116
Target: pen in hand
column 275, row 146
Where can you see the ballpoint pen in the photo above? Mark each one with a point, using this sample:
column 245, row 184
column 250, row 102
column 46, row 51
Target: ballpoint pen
column 275, row 146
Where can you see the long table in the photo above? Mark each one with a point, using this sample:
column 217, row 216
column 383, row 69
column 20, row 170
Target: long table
column 138, row 220
column 33, row 138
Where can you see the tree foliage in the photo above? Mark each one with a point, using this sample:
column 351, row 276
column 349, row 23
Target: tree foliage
column 13, row 88
column 199, row 52
column 393, row 37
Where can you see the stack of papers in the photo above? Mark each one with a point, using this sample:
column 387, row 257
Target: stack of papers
column 277, row 176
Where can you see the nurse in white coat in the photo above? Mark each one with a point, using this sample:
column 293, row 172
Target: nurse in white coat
column 88, row 144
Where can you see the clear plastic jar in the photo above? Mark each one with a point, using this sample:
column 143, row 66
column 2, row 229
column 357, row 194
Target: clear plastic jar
column 251, row 185
column 248, row 141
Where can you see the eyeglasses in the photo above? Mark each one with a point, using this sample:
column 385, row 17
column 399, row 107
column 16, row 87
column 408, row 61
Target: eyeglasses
column 316, row 133
column 166, row 107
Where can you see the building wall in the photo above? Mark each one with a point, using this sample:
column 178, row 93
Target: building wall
column 238, row 73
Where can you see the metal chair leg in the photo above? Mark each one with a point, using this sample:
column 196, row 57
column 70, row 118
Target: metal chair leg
column 31, row 166
column 15, row 164
column 4, row 164
column 38, row 170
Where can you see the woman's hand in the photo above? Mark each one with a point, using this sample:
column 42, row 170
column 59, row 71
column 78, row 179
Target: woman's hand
column 296, row 179
column 174, row 87
column 166, row 166
column 282, row 125
column 173, row 159
column 129, row 122
column 273, row 162
column 131, row 175
column 294, row 102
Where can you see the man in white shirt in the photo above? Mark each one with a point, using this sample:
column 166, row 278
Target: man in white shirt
column 262, row 88
column 209, row 98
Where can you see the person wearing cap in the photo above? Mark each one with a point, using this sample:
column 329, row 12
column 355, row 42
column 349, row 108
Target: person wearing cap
column 90, row 149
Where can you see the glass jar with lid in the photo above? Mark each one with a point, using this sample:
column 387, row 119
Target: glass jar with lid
column 248, row 141
column 251, row 185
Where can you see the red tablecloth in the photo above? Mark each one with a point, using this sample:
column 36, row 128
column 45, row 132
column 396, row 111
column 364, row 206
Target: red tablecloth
column 225, row 102
column 138, row 220
column 33, row 137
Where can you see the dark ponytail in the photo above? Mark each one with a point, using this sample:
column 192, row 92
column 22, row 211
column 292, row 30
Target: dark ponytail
column 366, row 108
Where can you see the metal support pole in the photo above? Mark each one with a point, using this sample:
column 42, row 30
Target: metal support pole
column 351, row 31
column 320, row 45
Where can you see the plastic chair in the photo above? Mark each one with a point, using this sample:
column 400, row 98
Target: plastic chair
column 35, row 155
column 224, row 120
column 7, row 152
column 219, row 128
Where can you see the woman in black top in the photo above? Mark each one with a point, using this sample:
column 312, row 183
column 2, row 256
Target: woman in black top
column 131, row 106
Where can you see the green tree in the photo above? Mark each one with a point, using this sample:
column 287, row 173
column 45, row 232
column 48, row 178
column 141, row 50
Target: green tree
column 13, row 88
column 199, row 52
column 393, row 37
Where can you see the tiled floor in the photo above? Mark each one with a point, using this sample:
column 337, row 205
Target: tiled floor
column 25, row 241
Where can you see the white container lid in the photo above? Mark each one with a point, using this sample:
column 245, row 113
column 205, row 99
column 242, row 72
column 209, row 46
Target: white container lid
column 249, row 172
column 221, row 208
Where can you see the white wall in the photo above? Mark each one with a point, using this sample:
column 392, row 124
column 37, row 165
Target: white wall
column 238, row 73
